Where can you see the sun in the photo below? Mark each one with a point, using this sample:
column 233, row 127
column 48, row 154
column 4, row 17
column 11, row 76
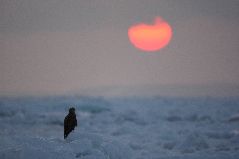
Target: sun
column 150, row 37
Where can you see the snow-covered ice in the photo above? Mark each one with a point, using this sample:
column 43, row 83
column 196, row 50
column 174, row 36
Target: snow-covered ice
column 120, row 128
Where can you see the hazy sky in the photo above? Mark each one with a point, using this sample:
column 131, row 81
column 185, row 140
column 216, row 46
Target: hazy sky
column 56, row 46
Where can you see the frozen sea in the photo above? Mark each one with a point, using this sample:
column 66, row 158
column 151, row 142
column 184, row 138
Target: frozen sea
column 120, row 128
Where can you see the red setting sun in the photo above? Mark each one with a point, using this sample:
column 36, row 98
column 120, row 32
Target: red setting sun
column 150, row 37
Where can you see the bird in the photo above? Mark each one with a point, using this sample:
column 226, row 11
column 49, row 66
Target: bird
column 70, row 122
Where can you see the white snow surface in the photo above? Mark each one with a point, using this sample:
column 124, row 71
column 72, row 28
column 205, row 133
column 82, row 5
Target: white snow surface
column 120, row 128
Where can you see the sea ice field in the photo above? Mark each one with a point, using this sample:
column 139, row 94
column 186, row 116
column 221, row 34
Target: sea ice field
column 120, row 128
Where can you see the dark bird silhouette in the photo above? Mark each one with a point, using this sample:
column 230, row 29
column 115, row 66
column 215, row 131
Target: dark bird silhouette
column 70, row 122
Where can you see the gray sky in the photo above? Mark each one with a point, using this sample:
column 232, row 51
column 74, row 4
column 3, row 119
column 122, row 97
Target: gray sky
column 56, row 46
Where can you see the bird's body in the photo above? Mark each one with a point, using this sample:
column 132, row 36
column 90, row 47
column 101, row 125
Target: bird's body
column 70, row 122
